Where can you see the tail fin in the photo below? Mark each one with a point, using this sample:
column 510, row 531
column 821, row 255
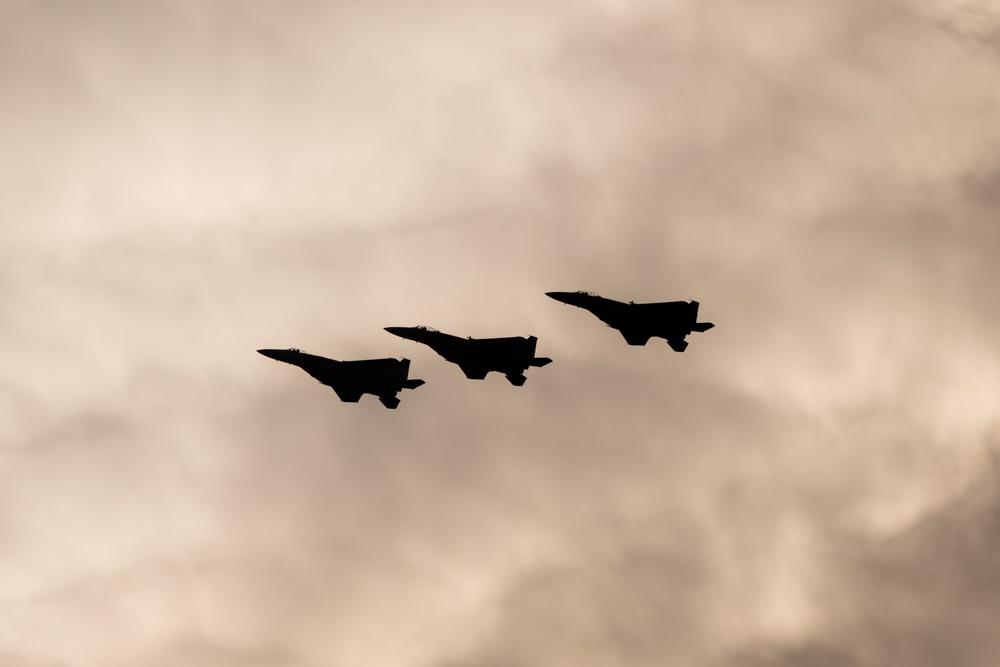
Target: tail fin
column 695, row 324
column 536, row 361
column 398, row 370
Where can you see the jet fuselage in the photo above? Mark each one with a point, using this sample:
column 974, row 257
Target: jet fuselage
column 510, row 356
column 638, row 322
column 383, row 378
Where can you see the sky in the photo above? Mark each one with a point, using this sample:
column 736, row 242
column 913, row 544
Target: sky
column 814, row 482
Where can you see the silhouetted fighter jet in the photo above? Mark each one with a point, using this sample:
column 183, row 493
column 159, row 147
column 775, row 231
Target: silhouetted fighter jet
column 638, row 322
column 350, row 379
column 478, row 356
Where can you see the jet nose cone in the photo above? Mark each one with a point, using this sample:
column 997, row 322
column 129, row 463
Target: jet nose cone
column 571, row 298
column 410, row 333
column 398, row 331
column 278, row 355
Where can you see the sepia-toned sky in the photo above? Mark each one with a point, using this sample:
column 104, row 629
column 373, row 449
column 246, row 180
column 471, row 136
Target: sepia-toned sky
column 813, row 483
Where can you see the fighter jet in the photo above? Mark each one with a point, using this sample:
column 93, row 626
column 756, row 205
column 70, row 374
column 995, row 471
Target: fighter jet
column 350, row 379
column 638, row 322
column 478, row 356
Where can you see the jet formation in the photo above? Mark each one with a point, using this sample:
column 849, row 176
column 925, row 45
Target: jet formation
column 383, row 378
column 477, row 357
column 638, row 322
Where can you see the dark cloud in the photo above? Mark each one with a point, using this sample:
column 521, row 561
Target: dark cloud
column 929, row 593
column 807, row 655
column 633, row 609
column 924, row 595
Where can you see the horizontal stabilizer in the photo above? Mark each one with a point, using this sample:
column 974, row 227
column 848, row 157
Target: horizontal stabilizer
column 701, row 326
column 389, row 401
column 412, row 384
column 538, row 362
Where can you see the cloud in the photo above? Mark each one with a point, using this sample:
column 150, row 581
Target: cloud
column 934, row 585
column 191, row 182
column 923, row 595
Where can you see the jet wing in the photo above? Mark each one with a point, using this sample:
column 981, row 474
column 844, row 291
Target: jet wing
column 635, row 337
column 347, row 394
column 473, row 372
column 374, row 366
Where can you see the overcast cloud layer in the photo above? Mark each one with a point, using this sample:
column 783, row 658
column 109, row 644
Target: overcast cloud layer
column 814, row 482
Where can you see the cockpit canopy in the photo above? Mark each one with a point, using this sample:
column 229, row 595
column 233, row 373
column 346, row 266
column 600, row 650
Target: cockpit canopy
column 432, row 329
column 294, row 349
